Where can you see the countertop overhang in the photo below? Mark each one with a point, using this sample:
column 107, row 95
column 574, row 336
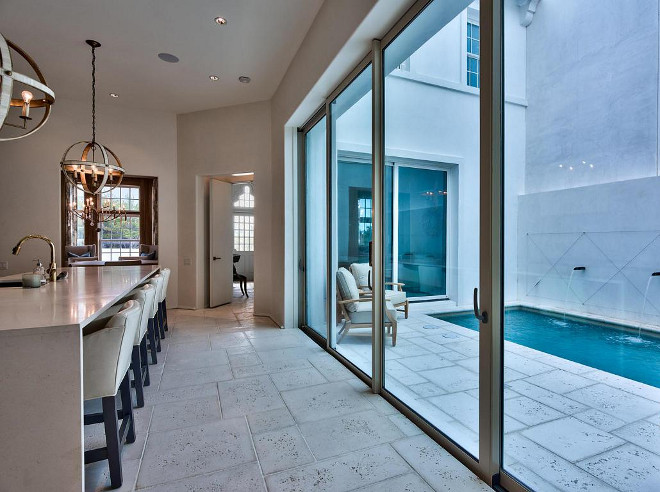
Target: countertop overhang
column 74, row 301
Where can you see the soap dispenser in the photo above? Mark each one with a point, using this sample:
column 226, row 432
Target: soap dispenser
column 40, row 270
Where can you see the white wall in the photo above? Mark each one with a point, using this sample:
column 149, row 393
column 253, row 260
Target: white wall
column 145, row 141
column 220, row 142
column 606, row 228
column 593, row 92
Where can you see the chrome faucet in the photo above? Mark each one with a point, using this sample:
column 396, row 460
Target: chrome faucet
column 52, row 269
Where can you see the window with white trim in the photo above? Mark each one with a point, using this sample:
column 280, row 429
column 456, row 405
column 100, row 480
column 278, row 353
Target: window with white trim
column 473, row 50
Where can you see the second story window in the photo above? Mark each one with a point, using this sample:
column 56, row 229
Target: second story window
column 473, row 54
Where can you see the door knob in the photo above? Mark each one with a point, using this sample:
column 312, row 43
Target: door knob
column 216, row 258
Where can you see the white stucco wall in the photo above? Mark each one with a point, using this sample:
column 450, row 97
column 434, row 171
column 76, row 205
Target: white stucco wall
column 591, row 185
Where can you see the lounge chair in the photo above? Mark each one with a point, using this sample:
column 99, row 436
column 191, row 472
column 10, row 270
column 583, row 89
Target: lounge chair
column 396, row 296
column 356, row 308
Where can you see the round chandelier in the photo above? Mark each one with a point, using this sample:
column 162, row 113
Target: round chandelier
column 98, row 170
column 10, row 81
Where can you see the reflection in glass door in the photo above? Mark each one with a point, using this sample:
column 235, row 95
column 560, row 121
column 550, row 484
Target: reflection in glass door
column 351, row 216
column 432, row 245
column 316, row 229
column 420, row 231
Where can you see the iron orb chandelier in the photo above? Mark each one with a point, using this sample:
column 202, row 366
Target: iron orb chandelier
column 98, row 169
column 27, row 101
column 89, row 173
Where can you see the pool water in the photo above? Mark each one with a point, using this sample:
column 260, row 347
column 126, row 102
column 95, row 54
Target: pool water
column 603, row 347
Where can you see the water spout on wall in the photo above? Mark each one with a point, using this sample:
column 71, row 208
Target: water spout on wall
column 568, row 287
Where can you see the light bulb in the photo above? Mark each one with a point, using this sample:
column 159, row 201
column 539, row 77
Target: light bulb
column 25, row 112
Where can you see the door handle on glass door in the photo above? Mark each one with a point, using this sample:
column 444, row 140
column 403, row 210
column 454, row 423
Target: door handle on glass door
column 216, row 258
column 483, row 317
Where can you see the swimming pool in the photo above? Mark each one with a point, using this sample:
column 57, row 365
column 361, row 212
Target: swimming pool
column 604, row 347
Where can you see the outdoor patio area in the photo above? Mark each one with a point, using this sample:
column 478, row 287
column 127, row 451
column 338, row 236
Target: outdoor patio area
column 565, row 423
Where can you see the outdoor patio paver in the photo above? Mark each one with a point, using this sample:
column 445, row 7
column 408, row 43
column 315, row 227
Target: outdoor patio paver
column 567, row 426
column 571, row 438
column 628, row 467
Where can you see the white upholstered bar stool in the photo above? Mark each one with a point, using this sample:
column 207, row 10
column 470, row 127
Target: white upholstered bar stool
column 106, row 359
column 145, row 295
column 153, row 329
column 162, row 304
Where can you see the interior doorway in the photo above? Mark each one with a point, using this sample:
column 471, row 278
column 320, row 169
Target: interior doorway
column 231, row 244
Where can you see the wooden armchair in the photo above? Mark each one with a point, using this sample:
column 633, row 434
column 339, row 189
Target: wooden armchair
column 356, row 308
column 396, row 295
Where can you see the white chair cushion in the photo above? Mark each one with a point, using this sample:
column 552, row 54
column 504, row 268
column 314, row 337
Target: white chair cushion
column 363, row 313
column 145, row 295
column 157, row 282
column 395, row 296
column 165, row 272
column 360, row 272
column 107, row 353
column 347, row 288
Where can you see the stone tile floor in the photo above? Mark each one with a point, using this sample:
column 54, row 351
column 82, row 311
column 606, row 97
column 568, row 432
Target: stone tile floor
column 567, row 426
column 237, row 404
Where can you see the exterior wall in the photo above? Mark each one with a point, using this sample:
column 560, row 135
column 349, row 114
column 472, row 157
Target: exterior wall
column 592, row 90
column 145, row 141
column 592, row 85
column 615, row 238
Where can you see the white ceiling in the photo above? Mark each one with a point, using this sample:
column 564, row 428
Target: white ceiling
column 259, row 40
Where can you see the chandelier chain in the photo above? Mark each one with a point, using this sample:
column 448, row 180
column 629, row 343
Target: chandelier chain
column 93, row 94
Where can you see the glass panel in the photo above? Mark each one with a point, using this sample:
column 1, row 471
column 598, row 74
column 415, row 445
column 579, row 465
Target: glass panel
column 432, row 206
column 582, row 247
column 120, row 237
column 352, row 220
column 243, row 232
column 316, row 231
column 422, row 230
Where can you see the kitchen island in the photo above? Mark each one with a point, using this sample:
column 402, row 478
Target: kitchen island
column 41, row 397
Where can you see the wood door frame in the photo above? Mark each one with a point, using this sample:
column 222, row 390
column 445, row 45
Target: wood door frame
column 148, row 213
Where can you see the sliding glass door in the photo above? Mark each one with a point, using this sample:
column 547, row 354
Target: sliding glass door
column 419, row 230
column 510, row 146
column 432, row 249
column 316, row 226
column 351, row 208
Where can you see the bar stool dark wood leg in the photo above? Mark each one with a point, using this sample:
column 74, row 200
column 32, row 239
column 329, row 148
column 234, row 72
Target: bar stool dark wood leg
column 113, row 444
column 136, row 368
column 127, row 409
column 167, row 328
column 144, row 360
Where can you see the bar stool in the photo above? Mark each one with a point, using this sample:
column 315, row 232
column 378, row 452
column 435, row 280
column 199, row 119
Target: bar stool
column 106, row 359
column 145, row 295
column 153, row 328
column 162, row 306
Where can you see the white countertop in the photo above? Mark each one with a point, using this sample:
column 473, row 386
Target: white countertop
column 76, row 300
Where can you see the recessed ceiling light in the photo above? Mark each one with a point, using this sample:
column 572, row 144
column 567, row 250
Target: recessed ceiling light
column 168, row 57
column 114, row 94
column 214, row 78
column 221, row 21
column 244, row 79
column 242, row 174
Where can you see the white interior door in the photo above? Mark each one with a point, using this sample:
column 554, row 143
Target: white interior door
column 221, row 234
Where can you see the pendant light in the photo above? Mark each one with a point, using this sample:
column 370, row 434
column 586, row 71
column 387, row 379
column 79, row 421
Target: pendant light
column 11, row 81
column 93, row 172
